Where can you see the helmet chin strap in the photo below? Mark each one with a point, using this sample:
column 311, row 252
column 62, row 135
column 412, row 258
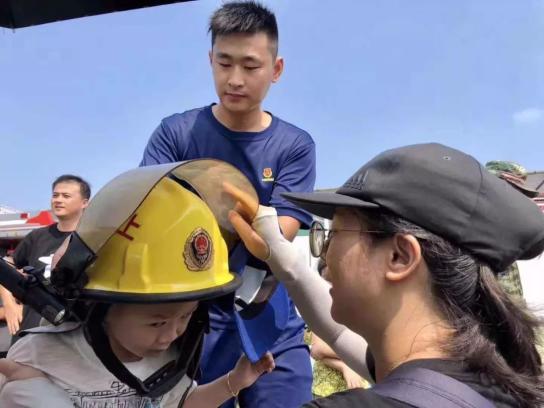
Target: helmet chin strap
column 164, row 379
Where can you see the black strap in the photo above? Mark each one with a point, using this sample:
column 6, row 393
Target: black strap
column 164, row 379
column 425, row 388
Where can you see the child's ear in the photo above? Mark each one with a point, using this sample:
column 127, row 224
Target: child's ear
column 210, row 56
column 404, row 257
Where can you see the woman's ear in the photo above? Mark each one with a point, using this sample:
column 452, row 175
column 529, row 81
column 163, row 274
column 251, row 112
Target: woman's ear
column 404, row 257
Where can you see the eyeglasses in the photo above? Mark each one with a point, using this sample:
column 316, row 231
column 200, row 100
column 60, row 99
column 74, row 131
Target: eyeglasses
column 320, row 237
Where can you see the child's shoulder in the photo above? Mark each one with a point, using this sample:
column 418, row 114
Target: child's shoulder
column 43, row 345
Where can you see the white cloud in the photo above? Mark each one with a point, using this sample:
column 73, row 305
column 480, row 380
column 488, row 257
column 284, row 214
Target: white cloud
column 529, row 115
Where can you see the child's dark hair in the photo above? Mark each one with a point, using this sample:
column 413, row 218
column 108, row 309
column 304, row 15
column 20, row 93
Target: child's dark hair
column 84, row 187
column 244, row 17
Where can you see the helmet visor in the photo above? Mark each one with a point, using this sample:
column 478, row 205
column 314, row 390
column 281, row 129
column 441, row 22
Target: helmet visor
column 117, row 200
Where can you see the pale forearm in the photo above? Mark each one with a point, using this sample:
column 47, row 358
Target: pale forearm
column 309, row 292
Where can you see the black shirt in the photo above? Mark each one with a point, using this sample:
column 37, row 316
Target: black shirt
column 42, row 242
column 38, row 243
column 366, row 398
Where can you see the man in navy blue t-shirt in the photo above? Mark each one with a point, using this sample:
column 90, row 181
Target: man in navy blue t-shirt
column 276, row 157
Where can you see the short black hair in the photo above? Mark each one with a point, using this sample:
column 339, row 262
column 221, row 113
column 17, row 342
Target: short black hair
column 244, row 17
column 84, row 187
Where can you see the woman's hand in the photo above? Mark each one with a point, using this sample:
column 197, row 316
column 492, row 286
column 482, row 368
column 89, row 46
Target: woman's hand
column 241, row 219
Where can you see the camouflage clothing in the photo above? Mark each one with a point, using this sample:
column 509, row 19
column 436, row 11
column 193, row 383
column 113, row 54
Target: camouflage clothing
column 513, row 173
column 500, row 166
column 326, row 380
column 511, row 281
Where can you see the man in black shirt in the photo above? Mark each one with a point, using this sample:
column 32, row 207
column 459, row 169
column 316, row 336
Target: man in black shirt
column 70, row 196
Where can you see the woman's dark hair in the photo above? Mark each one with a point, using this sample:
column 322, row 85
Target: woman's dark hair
column 494, row 333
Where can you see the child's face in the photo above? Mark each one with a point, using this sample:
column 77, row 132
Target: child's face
column 141, row 330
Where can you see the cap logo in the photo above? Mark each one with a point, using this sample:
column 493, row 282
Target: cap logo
column 357, row 181
column 198, row 252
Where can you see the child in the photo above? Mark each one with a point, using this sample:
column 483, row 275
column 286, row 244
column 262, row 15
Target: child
column 143, row 318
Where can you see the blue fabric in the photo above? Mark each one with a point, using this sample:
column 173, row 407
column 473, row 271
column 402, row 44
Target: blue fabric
column 289, row 153
column 287, row 150
column 282, row 147
column 257, row 338
column 288, row 386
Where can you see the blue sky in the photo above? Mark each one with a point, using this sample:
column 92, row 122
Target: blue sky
column 83, row 96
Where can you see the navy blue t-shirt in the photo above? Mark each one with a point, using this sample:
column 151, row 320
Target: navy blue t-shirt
column 279, row 159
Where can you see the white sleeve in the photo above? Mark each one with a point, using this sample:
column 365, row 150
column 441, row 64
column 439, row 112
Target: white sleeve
column 34, row 393
column 173, row 398
column 309, row 292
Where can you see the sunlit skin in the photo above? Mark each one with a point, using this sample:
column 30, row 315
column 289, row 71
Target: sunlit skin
column 381, row 291
column 68, row 204
column 144, row 330
column 147, row 330
column 243, row 66
column 354, row 276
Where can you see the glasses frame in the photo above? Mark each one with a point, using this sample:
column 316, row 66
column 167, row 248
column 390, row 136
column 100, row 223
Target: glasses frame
column 320, row 245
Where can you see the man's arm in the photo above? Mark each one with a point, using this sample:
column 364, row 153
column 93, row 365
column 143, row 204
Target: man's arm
column 13, row 310
column 162, row 147
column 296, row 174
column 289, row 227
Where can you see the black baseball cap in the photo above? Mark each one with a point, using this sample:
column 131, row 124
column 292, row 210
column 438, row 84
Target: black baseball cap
column 446, row 192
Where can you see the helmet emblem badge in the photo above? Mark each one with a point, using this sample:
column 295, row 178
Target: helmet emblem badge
column 198, row 252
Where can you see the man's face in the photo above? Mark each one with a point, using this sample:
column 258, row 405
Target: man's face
column 137, row 331
column 67, row 201
column 243, row 68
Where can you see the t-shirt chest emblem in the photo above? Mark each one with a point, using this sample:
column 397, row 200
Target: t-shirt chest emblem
column 268, row 175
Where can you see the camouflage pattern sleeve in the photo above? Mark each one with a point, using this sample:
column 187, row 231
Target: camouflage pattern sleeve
column 511, row 281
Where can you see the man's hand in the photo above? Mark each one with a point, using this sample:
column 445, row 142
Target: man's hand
column 14, row 315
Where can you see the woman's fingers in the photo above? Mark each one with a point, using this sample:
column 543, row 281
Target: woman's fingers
column 246, row 205
column 253, row 242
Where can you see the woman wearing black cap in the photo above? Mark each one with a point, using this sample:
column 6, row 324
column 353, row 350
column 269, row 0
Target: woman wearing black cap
column 418, row 234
